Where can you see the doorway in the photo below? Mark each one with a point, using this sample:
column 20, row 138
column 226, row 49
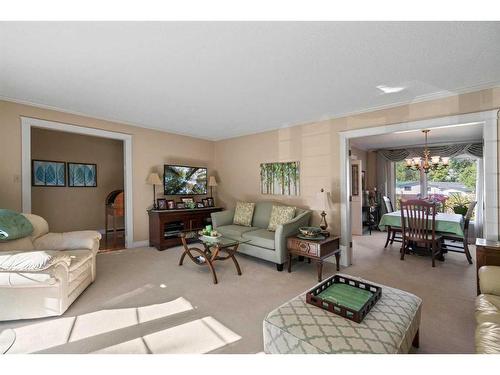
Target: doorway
column 487, row 119
column 29, row 124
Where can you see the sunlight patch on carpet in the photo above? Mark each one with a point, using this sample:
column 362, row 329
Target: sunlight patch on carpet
column 195, row 337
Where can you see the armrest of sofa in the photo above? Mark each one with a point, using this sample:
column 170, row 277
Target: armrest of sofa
column 222, row 218
column 489, row 280
column 289, row 229
column 85, row 239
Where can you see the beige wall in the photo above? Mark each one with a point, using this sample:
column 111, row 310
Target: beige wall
column 73, row 208
column 150, row 150
column 316, row 146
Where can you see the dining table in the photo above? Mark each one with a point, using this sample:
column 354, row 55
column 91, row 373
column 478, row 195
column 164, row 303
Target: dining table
column 445, row 222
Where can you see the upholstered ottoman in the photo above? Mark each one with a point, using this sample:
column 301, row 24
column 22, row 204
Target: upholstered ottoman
column 390, row 327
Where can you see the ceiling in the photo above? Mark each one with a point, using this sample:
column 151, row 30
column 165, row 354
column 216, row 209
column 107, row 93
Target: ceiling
column 437, row 136
column 218, row 80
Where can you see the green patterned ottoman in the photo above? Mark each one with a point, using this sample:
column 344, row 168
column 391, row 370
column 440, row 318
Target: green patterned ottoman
column 390, row 327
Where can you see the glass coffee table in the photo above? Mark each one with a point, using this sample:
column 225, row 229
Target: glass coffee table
column 221, row 248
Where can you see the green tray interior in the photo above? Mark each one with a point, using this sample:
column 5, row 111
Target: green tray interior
column 346, row 295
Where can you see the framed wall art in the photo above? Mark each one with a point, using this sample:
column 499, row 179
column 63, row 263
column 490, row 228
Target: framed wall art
column 82, row 175
column 280, row 178
column 48, row 173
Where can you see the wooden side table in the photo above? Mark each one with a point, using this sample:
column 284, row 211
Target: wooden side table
column 316, row 250
column 487, row 254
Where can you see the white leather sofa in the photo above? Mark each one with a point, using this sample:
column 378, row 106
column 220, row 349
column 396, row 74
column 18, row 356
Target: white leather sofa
column 48, row 292
column 488, row 311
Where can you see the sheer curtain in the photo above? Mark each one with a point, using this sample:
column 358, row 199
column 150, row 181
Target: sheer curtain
column 385, row 178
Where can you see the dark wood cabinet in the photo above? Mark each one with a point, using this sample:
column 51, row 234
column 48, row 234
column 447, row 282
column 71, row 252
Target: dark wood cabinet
column 165, row 226
column 487, row 254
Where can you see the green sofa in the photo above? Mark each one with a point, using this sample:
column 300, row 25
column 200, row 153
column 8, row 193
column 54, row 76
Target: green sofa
column 263, row 244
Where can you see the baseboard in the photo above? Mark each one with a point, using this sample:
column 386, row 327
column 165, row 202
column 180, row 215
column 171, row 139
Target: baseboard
column 144, row 243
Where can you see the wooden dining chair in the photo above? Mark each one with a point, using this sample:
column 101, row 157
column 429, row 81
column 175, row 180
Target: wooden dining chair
column 393, row 233
column 418, row 220
column 459, row 244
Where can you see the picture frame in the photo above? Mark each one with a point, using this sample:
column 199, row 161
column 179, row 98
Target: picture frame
column 180, row 205
column 199, row 205
column 280, row 178
column 48, row 173
column 161, row 203
column 187, row 200
column 170, row 204
column 363, row 181
column 82, row 174
column 354, row 180
column 208, row 202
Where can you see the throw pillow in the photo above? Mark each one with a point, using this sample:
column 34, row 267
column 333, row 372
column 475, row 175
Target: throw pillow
column 280, row 215
column 13, row 225
column 243, row 214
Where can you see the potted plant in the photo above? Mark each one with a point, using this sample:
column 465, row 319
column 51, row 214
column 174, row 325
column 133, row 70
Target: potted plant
column 459, row 203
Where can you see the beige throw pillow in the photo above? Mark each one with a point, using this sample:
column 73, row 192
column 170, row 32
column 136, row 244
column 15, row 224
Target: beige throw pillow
column 280, row 215
column 243, row 214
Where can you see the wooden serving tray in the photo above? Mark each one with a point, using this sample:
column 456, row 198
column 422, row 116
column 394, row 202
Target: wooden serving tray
column 349, row 298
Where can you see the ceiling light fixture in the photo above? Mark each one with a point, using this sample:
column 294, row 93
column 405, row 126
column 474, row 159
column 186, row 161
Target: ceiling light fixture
column 390, row 90
column 429, row 162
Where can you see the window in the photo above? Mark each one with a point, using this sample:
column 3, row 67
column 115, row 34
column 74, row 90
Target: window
column 451, row 185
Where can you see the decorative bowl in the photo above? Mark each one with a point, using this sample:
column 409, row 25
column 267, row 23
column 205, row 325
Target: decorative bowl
column 310, row 231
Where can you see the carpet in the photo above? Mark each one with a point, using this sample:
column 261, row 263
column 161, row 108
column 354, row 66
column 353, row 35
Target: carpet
column 144, row 302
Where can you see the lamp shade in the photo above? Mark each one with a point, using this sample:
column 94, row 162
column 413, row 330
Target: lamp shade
column 323, row 201
column 154, row 179
column 212, row 181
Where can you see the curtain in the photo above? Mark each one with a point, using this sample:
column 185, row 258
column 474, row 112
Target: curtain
column 385, row 178
column 473, row 149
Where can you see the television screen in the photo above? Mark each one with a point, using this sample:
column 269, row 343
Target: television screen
column 183, row 180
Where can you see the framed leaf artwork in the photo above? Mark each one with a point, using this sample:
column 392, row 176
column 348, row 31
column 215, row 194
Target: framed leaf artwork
column 48, row 173
column 82, row 175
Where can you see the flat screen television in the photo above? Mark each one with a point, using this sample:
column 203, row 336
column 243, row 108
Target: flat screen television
column 184, row 180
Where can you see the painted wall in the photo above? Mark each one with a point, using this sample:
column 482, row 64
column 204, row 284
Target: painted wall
column 150, row 150
column 316, row 146
column 71, row 208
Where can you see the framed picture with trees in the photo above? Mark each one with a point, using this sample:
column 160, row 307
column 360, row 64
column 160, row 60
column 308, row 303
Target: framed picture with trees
column 280, row 178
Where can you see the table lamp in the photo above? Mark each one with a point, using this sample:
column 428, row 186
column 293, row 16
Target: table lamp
column 323, row 202
column 154, row 179
column 212, row 182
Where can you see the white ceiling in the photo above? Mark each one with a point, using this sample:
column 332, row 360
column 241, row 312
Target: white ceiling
column 437, row 136
column 218, row 80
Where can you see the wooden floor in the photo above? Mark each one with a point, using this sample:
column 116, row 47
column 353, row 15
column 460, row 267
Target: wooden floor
column 108, row 243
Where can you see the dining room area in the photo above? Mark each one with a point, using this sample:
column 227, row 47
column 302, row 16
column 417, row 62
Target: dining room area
column 427, row 198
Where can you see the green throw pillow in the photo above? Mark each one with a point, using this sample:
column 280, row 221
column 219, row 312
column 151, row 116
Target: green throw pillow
column 280, row 215
column 13, row 225
column 243, row 214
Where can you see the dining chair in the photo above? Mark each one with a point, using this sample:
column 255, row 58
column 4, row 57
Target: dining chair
column 393, row 233
column 418, row 220
column 459, row 244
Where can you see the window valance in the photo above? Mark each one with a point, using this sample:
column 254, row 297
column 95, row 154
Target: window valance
column 473, row 149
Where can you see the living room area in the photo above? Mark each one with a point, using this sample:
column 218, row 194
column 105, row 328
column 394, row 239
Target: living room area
column 201, row 196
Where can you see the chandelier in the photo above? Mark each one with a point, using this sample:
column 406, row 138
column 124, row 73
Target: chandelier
column 429, row 162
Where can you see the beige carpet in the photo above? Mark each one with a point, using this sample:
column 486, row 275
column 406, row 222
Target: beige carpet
column 143, row 302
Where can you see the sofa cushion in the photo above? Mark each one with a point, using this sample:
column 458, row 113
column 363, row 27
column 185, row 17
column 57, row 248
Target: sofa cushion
column 261, row 237
column 28, row 261
column 13, row 225
column 234, row 231
column 22, row 244
column 280, row 215
column 262, row 214
column 243, row 214
column 487, row 308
